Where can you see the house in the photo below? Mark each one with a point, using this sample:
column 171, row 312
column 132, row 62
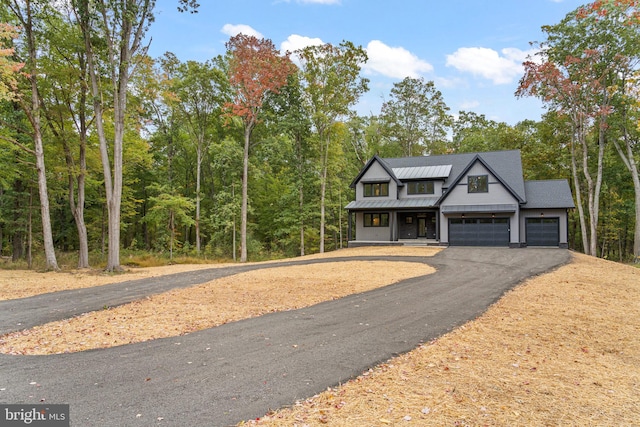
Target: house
column 471, row 199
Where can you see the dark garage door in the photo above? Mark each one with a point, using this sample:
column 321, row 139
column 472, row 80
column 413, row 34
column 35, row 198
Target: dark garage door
column 543, row 231
column 479, row 232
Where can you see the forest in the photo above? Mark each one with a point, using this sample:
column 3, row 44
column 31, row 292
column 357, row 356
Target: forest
column 107, row 153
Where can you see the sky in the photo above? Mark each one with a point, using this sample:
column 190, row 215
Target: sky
column 471, row 49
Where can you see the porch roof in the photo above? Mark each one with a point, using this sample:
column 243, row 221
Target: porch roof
column 409, row 203
column 507, row 207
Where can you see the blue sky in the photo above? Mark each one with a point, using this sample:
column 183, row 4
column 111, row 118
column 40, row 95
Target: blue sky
column 471, row 49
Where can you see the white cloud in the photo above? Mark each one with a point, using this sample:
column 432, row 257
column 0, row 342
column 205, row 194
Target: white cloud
column 295, row 42
column 469, row 105
column 487, row 63
column 233, row 30
column 395, row 62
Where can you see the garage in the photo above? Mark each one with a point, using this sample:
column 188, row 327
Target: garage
column 543, row 231
column 479, row 231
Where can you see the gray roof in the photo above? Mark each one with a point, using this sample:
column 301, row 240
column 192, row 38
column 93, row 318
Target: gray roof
column 548, row 194
column 507, row 164
column 413, row 202
column 422, row 172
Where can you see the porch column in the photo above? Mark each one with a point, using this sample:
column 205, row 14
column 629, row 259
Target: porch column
column 349, row 222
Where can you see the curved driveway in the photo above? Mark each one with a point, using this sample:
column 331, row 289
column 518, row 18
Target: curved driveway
column 241, row 370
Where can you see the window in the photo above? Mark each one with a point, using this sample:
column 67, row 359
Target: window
column 376, row 189
column 478, row 184
column 376, row 220
column 420, row 187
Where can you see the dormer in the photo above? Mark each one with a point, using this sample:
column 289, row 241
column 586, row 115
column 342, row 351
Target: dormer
column 422, row 181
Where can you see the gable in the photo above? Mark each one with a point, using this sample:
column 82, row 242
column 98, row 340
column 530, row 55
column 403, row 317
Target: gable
column 379, row 170
column 479, row 166
column 498, row 192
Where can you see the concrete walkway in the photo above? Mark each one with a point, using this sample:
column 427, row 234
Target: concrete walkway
column 241, row 370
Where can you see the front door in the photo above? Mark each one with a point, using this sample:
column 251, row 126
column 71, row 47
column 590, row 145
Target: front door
column 422, row 227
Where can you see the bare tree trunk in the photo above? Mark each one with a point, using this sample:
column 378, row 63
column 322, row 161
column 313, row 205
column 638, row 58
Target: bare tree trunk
column 629, row 161
column 30, row 232
column 173, row 234
column 300, row 191
column 47, row 235
column 578, row 190
column 245, row 193
column 198, row 173
column 33, row 114
column 323, row 190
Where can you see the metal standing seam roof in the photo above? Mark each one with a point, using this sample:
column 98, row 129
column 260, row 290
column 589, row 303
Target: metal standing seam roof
column 423, row 172
column 409, row 203
column 479, row 208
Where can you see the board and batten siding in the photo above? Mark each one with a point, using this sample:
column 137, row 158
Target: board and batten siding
column 497, row 195
column 376, row 173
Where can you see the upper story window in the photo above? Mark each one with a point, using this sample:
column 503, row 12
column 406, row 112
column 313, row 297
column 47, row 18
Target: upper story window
column 420, row 187
column 376, row 189
column 478, row 183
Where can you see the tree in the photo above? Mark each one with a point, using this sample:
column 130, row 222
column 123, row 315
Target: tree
column 201, row 91
column 256, row 69
column 171, row 209
column 26, row 13
column 569, row 79
column 583, row 67
column 288, row 112
column 614, row 29
column 68, row 116
column 332, row 85
column 416, row 118
column 121, row 25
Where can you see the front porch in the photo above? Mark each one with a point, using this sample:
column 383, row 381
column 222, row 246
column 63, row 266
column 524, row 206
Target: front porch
column 399, row 242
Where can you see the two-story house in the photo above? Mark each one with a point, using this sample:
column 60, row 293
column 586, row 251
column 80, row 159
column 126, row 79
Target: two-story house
column 471, row 199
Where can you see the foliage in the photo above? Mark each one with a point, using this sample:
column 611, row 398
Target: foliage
column 198, row 132
column 416, row 118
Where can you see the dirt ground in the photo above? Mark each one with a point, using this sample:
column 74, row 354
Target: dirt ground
column 560, row 349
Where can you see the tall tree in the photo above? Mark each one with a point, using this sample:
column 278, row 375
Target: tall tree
column 26, row 12
column 201, row 91
column 416, row 118
column 332, row 85
column 256, row 69
column 121, row 26
column 614, row 30
column 68, row 114
column 569, row 77
column 291, row 117
column 583, row 67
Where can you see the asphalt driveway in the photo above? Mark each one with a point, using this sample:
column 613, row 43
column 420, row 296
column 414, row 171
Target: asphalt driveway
column 241, row 370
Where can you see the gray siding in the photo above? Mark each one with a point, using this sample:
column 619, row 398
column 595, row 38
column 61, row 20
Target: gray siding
column 375, row 173
column 496, row 195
